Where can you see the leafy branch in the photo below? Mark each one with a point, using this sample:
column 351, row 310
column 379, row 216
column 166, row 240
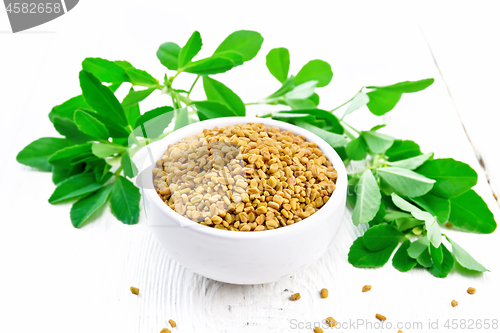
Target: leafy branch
column 403, row 195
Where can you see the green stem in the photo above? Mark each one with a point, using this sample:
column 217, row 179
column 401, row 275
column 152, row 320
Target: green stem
column 192, row 86
column 355, row 130
column 118, row 171
column 341, row 105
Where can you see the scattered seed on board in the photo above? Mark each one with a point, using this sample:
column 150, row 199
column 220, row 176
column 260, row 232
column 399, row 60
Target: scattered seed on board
column 380, row 317
column 165, row 330
column 134, row 290
column 454, row 303
column 331, row 322
column 295, row 297
column 324, row 293
column 448, row 225
column 471, row 290
column 172, row 323
column 318, row 330
column 366, row 288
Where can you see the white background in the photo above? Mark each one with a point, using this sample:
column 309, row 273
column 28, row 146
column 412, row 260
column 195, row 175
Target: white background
column 55, row 278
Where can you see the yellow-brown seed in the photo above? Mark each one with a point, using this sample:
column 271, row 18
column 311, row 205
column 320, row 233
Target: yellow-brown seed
column 400, row 331
column 454, row 303
column 324, row 293
column 331, row 322
column 172, row 323
column 165, row 330
column 366, row 288
column 471, row 290
column 134, row 290
column 318, row 330
column 295, row 297
column 247, row 168
column 380, row 317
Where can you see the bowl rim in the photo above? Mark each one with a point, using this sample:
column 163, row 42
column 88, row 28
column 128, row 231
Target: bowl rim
column 159, row 147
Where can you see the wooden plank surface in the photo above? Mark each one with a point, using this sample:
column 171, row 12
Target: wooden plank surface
column 65, row 279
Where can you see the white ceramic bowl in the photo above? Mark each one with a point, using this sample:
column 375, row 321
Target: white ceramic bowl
column 244, row 257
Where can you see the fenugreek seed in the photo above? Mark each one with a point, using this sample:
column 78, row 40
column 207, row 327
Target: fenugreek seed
column 366, row 288
column 295, row 297
column 172, row 323
column 243, row 217
column 165, row 330
column 245, row 227
column 273, row 205
column 318, row 202
column 134, row 290
column 271, row 224
column 216, row 219
column 239, row 207
column 317, row 330
column 324, row 293
column 331, row 322
column 259, row 228
column 261, row 210
column 272, row 181
column 399, row 331
column 380, row 317
column 471, row 290
column 208, row 221
column 454, row 303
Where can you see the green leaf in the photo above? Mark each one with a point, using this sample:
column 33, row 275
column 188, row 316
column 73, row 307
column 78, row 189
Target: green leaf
column 152, row 123
column 181, row 118
column 379, row 217
column 129, row 168
column 123, row 64
column 384, row 99
column 192, row 47
column 91, row 126
column 212, row 65
column 83, row 209
column 405, row 223
column 453, row 178
column 332, row 122
column 168, row 54
column 402, row 149
column 392, row 215
column 101, row 99
column 302, row 91
column 141, row 78
column 401, row 260
column 218, row 92
column 69, row 129
column 125, row 198
column 464, row 258
column 361, row 257
column 444, row 268
column 334, row 140
column 106, row 149
column 60, row 174
column 315, row 99
column 470, row 212
column 278, row 63
column 407, row 86
column 210, row 109
column 377, row 142
column 418, row 247
column 134, row 97
column 236, row 57
column 425, row 259
column 105, row 70
column 64, row 157
column 115, row 130
column 381, row 236
column 435, row 205
column 406, row 182
column 368, row 199
column 37, row 153
column 68, row 108
column 246, row 42
column 433, row 229
column 285, row 87
column 360, row 100
column 357, row 149
column 315, row 70
column 436, row 254
column 75, row 187
column 298, row 104
column 132, row 112
column 412, row 162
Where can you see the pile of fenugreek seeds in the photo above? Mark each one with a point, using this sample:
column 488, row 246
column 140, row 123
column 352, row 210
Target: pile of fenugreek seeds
column 245, row 177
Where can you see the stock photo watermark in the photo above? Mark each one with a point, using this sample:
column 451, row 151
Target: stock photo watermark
column 431, row 324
